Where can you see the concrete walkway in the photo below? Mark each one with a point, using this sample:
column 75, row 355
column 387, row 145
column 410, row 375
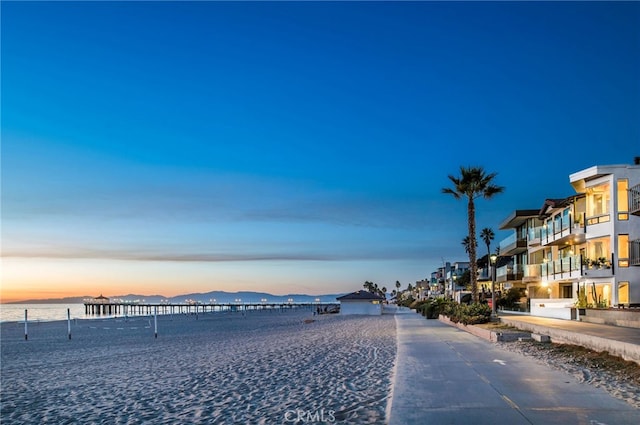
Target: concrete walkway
column 619, row 341
column 447, row 376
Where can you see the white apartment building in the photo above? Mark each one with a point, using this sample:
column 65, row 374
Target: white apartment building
column 587, row 244
column 444, row 281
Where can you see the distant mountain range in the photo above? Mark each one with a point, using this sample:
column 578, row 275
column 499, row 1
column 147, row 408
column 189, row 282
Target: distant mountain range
column 220, row 297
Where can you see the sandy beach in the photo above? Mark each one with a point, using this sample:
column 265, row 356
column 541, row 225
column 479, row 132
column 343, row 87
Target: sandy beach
column 266, row 367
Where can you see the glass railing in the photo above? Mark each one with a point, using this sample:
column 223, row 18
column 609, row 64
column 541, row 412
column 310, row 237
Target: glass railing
column 532, row 270
column 534, row 233
column 484, row 273
column 510, row 270
column 561, row 265
column 508, row 242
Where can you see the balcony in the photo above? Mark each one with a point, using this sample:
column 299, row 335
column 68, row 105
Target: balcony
column 512, row 245
column 510, row 273
column 563, row 231
column 562, row 268
column 572, row 267
column 634, row 200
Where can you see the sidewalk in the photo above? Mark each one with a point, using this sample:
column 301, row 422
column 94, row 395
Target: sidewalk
column 447, row 376
column 618, row 341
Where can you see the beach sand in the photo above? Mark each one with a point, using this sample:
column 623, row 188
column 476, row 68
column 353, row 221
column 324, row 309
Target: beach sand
column 263, row 367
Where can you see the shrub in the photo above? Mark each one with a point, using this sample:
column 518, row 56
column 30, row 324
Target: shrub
column 471, row 314
column 417, row 305
column 435, row 307
column 406, row 301
column 510, row 298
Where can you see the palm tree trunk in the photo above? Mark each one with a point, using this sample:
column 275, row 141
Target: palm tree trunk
column 471, row 214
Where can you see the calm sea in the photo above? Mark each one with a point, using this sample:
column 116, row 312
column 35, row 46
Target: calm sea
column 40, row 312
column 49, row 312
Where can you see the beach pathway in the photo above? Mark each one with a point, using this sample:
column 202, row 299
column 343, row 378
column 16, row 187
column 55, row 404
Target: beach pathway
column 448, row 376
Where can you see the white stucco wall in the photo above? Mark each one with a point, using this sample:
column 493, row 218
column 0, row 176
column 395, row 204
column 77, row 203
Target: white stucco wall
column 556, row 308
column 360, row 307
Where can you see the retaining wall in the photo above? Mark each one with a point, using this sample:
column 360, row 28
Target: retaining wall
column 625, row 350
column 493, row 336
column 628, row 319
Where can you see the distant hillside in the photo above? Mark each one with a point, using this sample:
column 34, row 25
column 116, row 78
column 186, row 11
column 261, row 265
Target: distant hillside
column 220, row 297
column 250, row 297
column 67, row 300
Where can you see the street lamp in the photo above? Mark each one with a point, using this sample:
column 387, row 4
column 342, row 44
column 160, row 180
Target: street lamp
column 455, row 286
column 493, row 257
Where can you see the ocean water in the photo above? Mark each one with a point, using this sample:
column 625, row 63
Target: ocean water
column 40, row 312
column 52, row 312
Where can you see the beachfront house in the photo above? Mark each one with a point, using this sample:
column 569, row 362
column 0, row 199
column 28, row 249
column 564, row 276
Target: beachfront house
column 581, row 249
column 361, row 302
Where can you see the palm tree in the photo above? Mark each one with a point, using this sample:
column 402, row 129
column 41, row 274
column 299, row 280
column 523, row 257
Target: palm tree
column 466, row 242
column 487, row 236
column 473, row 183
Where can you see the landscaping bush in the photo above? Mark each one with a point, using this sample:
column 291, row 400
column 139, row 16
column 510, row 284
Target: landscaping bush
column 435, row 307
column 417, row 305
column 510, row 299
column 406, row 301
column 471, row 314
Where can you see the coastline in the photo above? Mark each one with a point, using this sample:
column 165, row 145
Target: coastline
column 261, row 367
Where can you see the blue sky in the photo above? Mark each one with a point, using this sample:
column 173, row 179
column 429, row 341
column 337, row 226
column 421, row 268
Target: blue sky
column 291, row 146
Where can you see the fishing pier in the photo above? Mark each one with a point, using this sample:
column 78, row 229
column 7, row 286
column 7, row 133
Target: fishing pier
column 105, row 307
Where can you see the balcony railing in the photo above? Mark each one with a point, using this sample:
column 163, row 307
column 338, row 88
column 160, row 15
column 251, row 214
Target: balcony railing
column 484, row 273
column 634, row 200
column 562, row 227
column 532, row 271
column 510, row 272
column 634, row 253
column 513, row 245
column 534, row 235
column 561, row 267
column 571, row 267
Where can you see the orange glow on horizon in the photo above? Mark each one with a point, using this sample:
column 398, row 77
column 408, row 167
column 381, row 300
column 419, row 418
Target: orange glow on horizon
column 39, row 279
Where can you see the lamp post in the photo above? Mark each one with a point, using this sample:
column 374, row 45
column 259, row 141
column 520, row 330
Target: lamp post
column 493, row 258
column 455, row 286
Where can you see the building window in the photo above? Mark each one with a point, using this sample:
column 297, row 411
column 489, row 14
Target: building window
column 623, row 250
column 598, row 204
column 598, row 251
column 623, row 292
column 623, row 199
